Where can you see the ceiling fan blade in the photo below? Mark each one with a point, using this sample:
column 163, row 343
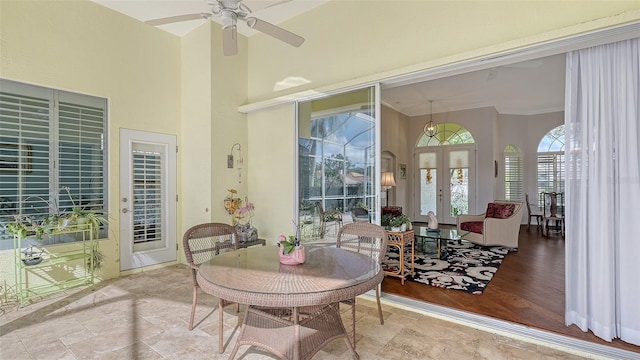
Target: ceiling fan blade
column 229, row 41
column 178, row 18
column 266, row 4
column 275, row 31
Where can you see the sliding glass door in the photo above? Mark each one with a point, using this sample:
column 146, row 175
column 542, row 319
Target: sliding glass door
column 338, row 154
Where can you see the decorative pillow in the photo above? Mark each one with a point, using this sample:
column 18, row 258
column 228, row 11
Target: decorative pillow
column 473, row 226
column 500, row 211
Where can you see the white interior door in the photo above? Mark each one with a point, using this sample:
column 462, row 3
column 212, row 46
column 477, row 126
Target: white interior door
column 148, row 199
column 445, row 182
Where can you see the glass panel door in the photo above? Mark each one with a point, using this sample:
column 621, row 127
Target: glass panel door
column 458, row 185
column 445, row 182
column 429, row 192
column 337, row 160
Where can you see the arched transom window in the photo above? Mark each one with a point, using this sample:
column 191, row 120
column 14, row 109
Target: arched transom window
column 448, row 134
column 551, row 161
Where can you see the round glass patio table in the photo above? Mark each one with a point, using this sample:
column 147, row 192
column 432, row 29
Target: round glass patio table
column 255, row 277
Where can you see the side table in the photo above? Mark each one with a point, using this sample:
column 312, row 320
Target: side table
column 402, row 240
column 246, row 244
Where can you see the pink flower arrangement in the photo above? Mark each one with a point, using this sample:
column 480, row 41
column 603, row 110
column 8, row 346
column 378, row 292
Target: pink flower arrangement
column 239, row 214
column 247, row 210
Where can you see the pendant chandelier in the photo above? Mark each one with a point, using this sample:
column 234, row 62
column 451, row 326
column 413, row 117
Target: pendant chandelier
column 430, row 128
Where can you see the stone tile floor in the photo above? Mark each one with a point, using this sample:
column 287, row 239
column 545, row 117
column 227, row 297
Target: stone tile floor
column 145, row 316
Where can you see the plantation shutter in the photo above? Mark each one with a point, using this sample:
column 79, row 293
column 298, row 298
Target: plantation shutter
column 51, row 148
column 24, row 152
column 513, row 177
column 550, row 173
column 545, row 173
column 559, row 173
column 147, row 208
column 81, row 151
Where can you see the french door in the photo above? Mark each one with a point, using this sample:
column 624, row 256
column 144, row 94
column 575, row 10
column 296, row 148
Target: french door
column 445, row 182
column 148, row 189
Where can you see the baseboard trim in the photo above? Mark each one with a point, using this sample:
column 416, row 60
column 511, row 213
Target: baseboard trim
column 575, row 346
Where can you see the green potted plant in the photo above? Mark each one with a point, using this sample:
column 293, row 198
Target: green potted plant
column 385, row 221
column 395, row 223
column 404, row 221
column 82, row 217
column 20, row 226
column 23, row 226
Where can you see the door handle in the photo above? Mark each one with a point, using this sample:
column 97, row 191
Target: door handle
column 125, row 210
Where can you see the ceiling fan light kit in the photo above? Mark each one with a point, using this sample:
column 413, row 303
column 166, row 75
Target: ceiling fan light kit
column 229, row 11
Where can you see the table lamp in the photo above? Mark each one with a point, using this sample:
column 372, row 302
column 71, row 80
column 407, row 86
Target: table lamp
column 387, row 182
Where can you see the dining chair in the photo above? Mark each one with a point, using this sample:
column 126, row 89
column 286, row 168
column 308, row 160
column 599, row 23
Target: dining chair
column 369, row 239
column 201, row 243
column 537, row 214
column 553, row 210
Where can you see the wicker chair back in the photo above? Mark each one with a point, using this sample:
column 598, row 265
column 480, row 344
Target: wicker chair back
column 201, row 243
column 369, row 239
column 364, row 238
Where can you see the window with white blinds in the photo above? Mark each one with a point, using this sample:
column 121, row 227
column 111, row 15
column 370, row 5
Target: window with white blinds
column 551, row 172
column 513, row 174
column 551, row 162
column 52, row 152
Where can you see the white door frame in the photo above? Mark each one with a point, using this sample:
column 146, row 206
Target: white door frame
column 163, row 249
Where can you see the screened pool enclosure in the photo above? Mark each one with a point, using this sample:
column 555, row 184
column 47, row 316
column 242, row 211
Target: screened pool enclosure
column 336, row 160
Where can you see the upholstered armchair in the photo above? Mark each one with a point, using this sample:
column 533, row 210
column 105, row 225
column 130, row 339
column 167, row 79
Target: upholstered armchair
column 498, row 226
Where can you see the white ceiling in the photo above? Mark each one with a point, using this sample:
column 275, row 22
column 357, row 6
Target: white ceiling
column 273, row 11
column 526, row 88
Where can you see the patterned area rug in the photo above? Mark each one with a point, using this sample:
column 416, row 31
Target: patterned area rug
column 468, row 267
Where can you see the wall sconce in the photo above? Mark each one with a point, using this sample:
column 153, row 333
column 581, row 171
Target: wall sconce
column 238, row 159
column 430, row 128
column 387, row 181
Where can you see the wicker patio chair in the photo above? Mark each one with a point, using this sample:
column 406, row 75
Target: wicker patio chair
column 359, row 214
column 369, row 239
column 328, row 218
column 201, row 243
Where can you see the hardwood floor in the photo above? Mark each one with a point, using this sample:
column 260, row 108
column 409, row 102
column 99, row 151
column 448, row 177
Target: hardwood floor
column 528, row 289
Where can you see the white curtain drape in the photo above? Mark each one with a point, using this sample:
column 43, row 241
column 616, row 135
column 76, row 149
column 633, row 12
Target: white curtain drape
column 602, row 136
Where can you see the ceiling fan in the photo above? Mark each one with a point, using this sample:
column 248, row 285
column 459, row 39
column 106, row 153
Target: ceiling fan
column 229, row 11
